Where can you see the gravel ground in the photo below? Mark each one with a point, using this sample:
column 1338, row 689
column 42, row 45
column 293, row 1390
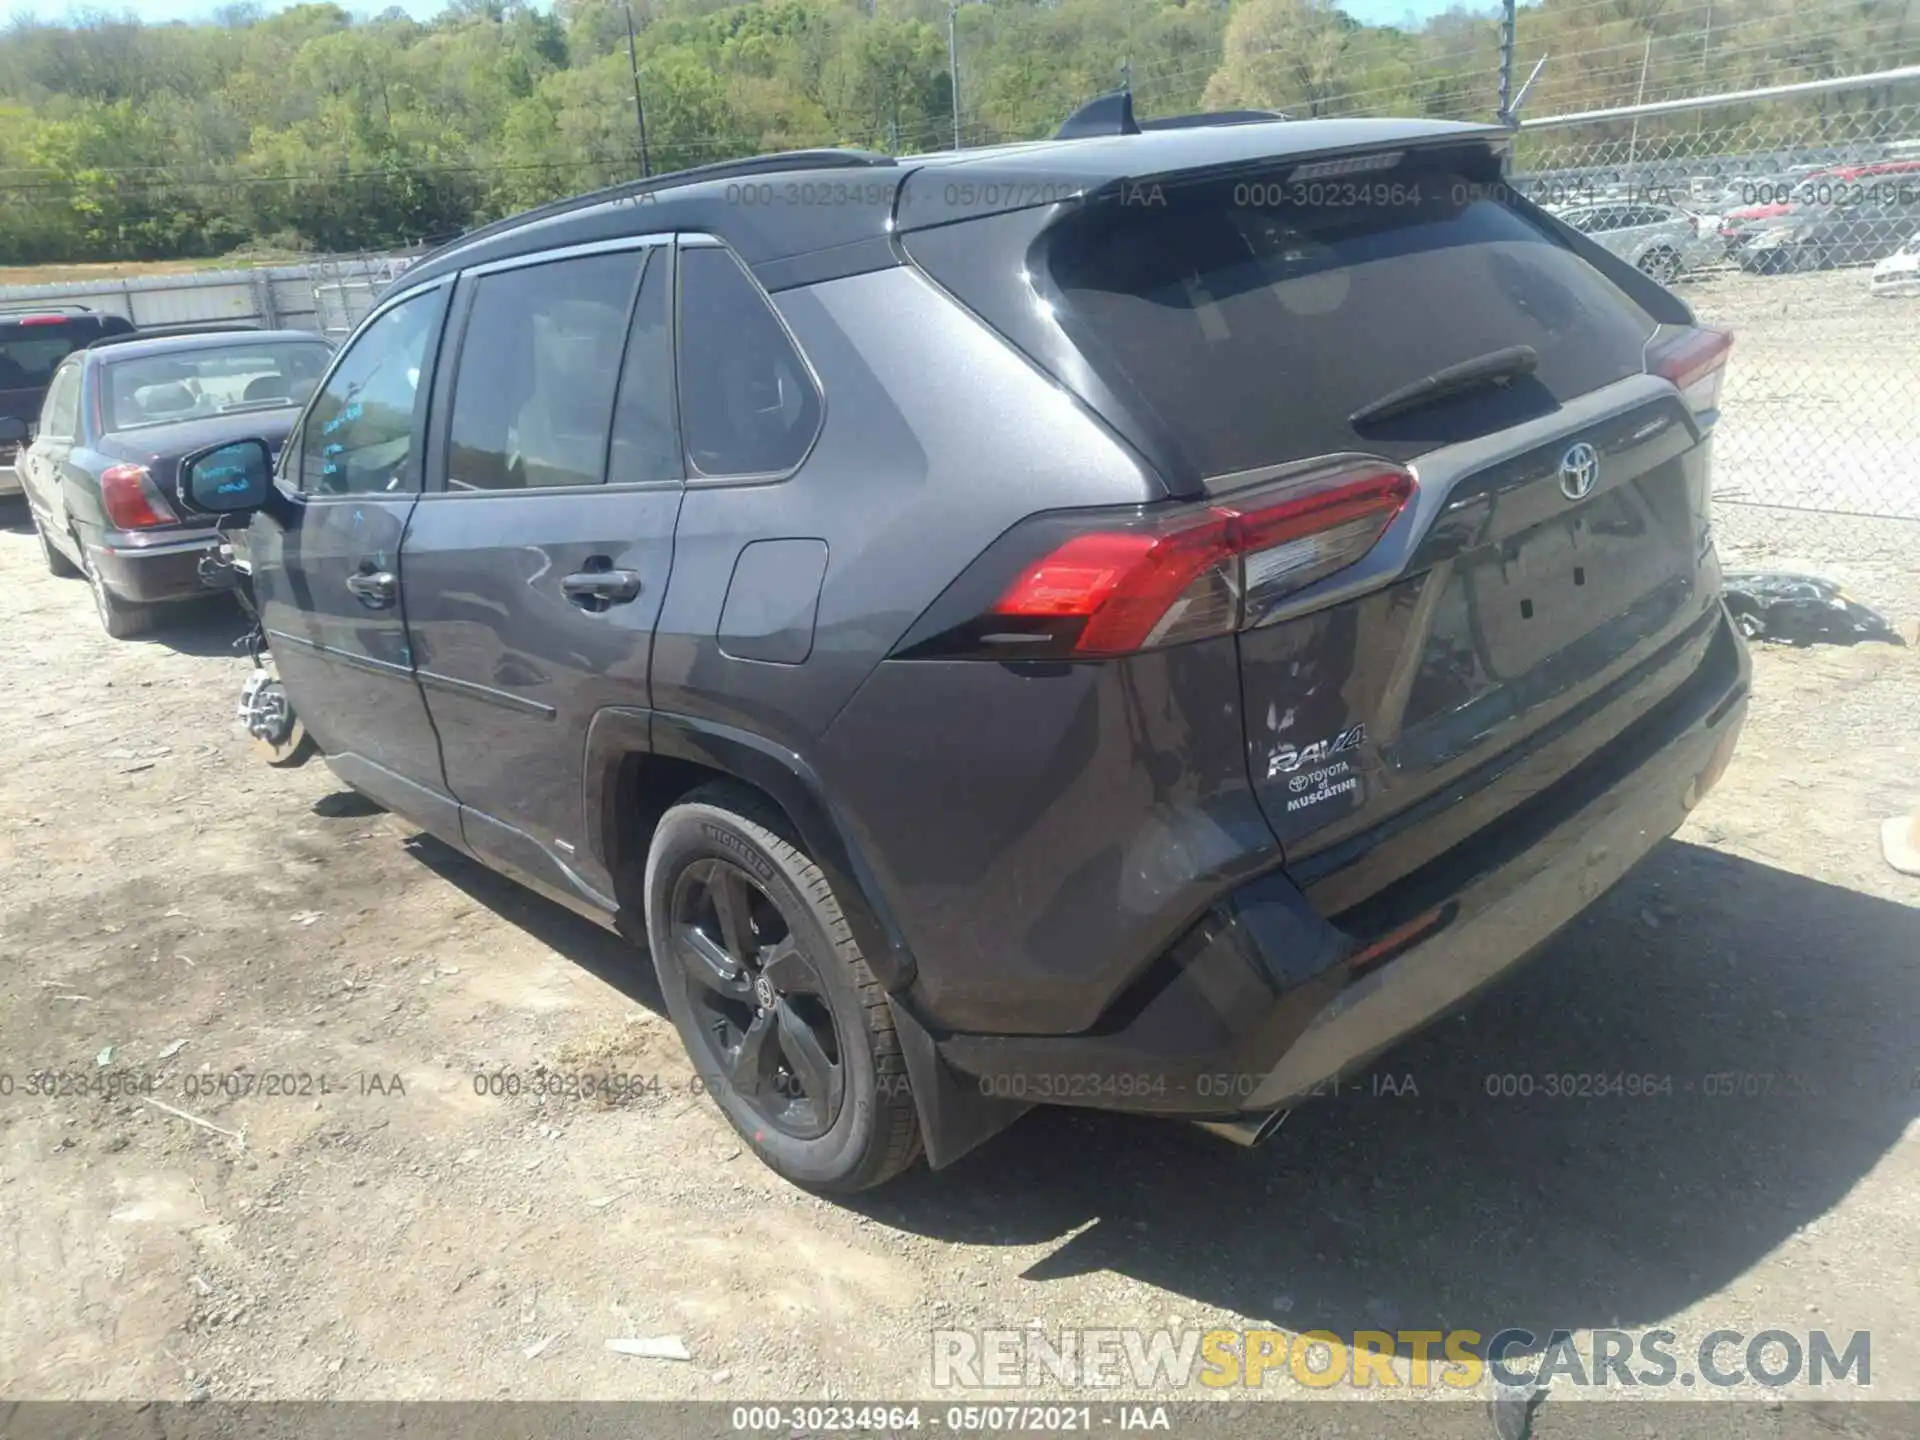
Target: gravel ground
column 168, row 905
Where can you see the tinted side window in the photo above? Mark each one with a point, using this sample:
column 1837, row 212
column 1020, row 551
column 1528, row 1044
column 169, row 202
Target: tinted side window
column 60, row 416
column 747, row 402
column 357, row 439
column 646, row 433
column 534, row 394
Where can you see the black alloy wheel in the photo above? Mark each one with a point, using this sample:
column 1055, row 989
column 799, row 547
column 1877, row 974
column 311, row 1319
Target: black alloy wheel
column 761, row 1008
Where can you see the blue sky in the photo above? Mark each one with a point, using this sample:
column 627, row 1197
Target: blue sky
column 1373, row 12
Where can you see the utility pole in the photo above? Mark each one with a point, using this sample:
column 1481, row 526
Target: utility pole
column 639, row 110
column 1509, row 24
column 953, row 64
column 1639, row 98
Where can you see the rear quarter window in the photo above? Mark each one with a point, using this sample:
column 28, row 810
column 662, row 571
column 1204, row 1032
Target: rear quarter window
column 1253, row 317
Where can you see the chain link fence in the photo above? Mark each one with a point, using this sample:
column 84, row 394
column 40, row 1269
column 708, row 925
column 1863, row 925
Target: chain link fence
column 345, row 288
column 1797, row 225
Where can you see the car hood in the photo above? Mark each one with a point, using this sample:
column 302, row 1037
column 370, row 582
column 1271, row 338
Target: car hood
column 182, row 437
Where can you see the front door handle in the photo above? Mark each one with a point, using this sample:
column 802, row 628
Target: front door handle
column 375, row 589
column 597, row 589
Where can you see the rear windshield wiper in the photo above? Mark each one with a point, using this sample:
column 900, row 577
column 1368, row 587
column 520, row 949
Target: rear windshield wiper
column 1501, row 367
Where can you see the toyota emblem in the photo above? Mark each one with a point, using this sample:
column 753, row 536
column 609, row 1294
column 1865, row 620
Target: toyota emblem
column 1579, row 471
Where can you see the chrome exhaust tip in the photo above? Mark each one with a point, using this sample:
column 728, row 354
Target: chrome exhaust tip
column 1245, row 1131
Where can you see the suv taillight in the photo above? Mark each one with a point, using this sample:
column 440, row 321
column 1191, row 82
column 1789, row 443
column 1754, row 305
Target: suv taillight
column 1695, row 360
column 1086, row 586
column 130, row 500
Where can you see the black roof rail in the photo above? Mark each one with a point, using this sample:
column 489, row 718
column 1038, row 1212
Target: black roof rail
column 822, row 159
column 1214, row 117
column 1109, row 114
column 43, row 307
column 161, row 332
column 1112, row 114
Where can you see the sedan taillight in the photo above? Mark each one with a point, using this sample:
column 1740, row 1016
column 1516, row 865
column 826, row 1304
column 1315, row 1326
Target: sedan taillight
column 131, row 502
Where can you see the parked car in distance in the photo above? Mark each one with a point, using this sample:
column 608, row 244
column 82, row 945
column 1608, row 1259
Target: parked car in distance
column 118, row 416
column 1661, row 241
column 1820, row 237
column 1000, row 652
column 1899, row 273
column 34, row 339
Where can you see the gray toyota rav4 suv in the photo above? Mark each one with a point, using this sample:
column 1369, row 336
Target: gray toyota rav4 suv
column 1142, row 620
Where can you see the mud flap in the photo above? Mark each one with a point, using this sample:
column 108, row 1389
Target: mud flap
column 954, row 1116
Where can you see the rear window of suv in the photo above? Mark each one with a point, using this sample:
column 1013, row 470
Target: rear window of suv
column 1253, row 317
column 29, row 352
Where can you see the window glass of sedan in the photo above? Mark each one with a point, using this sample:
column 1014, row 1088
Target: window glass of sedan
column 60, row 413
column 208, row 380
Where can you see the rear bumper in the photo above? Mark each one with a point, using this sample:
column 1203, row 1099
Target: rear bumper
column 151, row 569
column 9, row 480
column 1263, row 1002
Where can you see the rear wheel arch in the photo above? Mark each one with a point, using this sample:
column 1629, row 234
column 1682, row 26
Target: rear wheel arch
column 640, row 763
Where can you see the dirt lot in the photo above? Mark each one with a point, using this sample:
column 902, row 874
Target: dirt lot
column 168, row 905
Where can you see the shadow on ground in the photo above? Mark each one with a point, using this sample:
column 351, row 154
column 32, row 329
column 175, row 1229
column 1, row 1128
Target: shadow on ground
column 210, row 627
column 1772, row 1015
column 608, row 957
column 1779, row 1009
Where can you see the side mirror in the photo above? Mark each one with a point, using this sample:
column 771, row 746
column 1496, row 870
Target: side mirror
column 228, row 479
column 13, row 430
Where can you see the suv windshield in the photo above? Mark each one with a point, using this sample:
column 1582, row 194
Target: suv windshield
column 214, row 380
column 1254, row 318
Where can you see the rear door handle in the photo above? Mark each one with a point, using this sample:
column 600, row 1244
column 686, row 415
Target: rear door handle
column 375, row 589
column 597, row 589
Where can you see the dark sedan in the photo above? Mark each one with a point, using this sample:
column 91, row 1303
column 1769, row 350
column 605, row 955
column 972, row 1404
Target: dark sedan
column 118, row 417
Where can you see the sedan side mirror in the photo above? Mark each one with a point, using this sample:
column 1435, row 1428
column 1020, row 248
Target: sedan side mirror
column 228, row 479
column 13, row 430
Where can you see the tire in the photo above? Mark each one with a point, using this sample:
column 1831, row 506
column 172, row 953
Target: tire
column 1660, row 265
column 839, row 1128
column 119, row 619
column 56, row 558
